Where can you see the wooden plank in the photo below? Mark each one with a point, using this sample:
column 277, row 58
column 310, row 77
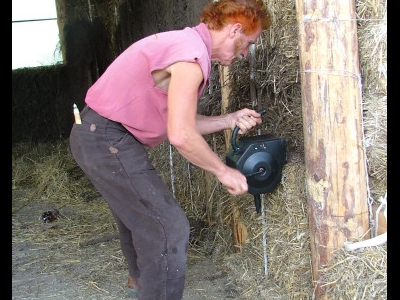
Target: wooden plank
column 336, row 175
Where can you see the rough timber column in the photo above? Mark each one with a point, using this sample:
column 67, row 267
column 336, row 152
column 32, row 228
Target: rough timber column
column 238, row 228
column 61, row 21
column 336, row 177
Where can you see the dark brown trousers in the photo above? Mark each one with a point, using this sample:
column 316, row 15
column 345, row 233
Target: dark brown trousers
column 153, row 229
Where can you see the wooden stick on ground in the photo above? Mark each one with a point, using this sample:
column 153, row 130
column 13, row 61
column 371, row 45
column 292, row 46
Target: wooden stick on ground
column 106, row 238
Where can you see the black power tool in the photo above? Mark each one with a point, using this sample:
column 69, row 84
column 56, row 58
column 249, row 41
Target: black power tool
column 260, row 158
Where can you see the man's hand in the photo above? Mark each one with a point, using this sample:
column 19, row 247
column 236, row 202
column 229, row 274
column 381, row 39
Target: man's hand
column 234, row 181
column 245, row 119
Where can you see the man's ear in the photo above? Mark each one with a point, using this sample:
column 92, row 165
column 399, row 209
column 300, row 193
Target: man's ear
column 235, row 30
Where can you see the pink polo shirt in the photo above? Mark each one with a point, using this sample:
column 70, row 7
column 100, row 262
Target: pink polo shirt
column 126, row 92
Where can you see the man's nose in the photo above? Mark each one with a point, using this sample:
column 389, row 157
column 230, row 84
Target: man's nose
column 245, row 52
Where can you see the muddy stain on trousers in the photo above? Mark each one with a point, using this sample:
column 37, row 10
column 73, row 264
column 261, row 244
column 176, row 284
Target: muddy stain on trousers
column 153, row 228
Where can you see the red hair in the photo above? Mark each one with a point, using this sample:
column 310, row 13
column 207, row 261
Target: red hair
column 250, row 13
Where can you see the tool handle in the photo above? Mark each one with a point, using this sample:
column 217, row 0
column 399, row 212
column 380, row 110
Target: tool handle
column 235, row 148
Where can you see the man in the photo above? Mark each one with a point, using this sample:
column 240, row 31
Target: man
column 148, row 94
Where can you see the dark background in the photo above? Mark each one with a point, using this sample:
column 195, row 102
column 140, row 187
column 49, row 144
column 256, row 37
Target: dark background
column 42, row 97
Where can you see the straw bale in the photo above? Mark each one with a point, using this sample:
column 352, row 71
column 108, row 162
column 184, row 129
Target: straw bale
column 276, row 75
column 372, row 34
column 278, row 241
column 363, row 273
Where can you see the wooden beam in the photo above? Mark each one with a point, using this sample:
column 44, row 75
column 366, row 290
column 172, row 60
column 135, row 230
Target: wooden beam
column 61, row 9
column 238, row 228
column 225, row 91
column 336, row 174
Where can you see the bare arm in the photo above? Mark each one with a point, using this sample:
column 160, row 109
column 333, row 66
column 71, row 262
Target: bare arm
column 185, row 128
column 246, row 119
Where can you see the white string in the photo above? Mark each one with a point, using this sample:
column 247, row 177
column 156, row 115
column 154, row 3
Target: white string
column 171, row 165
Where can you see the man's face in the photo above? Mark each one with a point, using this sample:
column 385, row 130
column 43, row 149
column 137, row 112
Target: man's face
column 238, row 47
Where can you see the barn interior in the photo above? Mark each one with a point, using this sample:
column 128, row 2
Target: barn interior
column 273, row 253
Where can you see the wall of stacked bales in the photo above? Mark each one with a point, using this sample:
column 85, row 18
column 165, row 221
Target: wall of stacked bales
column 274, row 260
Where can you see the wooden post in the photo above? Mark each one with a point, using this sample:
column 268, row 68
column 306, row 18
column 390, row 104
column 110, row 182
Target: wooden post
column 225, row 91
column 61, row 21
column 238, row 228
column 336, row 173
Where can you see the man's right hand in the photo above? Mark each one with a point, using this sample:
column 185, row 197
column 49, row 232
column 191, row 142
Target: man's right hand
column 234, row 181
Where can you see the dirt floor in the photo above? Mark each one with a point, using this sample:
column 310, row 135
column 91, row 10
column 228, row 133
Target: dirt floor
column 51, row 260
